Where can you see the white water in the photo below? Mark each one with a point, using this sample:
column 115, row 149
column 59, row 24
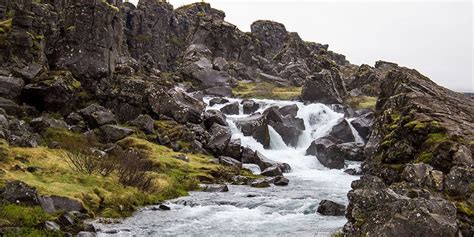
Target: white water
column 274, row 211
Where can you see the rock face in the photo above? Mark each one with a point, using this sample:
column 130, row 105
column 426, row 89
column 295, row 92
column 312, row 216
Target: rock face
column 326, row 87
column 330, row 208
column 418, row 160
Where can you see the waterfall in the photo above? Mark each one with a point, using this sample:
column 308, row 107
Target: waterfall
column 276, row 142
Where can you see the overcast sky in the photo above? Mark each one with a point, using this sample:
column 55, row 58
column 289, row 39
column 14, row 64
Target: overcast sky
column 434, row 37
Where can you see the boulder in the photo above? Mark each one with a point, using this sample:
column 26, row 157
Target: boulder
column 363, row 126
column 263, row 162
column 330, row 208
column 220, row 64
column 249, row 106
column 50, row 225
column 96, row 115
column 52, row 204
column 260, row 183
column 86, row 234
column 10, row 87
column 255, row 126
column 220, row 137
column 224, row 91
column 326, row 87
column 234, row 149
column 281, row 181
column 228, row 161
column 18, row 192
column 214, row 188
column 218, row 100
column 182, row 157
column 177, row 104
column 289, row 110
column 272, row 171
column 144, row 123
column 208, row 78
column 214, row 116
column 113, row 133
column 231, row 109
column 351, row 151
column 325, row 151
column 40, row 124
column 342, row 131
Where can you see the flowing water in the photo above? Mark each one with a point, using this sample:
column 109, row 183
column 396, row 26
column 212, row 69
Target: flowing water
column 247, row 211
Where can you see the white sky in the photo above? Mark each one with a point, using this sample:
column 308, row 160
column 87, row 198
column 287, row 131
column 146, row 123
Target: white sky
column 434, row 37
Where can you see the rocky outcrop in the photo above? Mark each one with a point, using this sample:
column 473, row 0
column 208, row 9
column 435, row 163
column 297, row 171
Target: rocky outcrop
column 367, row 79
column 326, row 87
column 419, row 162
column 330, row 208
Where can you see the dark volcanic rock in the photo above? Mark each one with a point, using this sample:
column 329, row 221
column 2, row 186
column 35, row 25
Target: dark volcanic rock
column 214, row 188
column 272, row 171
column 19, row 193
column 214, row 116
column 52, row 204
column 250, row 106
column 325, row 150
column 281, row 181
column 144, row 123
column 231, row 109
column 228, row 161
column 10, row 87
column 113, row 133
column 218, row 100
column 96, row 115
column 326, row 87
column 330, row 208
column 342, row 131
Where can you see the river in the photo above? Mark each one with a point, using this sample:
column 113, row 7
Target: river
column 247, row 211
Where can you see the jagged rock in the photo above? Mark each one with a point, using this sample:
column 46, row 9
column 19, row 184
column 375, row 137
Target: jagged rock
column 177, row 104
column 249, row 106
column 368, row 79
column 231, row 109
column 50, row 225
column 220, row 64
column 289, row 110
column 40, row 124
column 214, row 116
column 29, row 72
column 96, row 115
column 255, row 126
column 342, row 131
column 10, row 87
column 214, row 188
column 74, row 118
column 272, row 171
column 113, row 133
column 219, row 139
column 144, row 123
column 330, row 208
column 363, row 125
column 234, row 149
column 350, row 151
column 218, row 100
column 281, row 181
column 18, row 192
column 325, row 151
column 326, row 87
column 260, row 183
column 228, row 161
column 248, row 156
column 353, row 171
column 65, row 220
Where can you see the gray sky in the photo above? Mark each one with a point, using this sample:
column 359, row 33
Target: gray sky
column 434, row 37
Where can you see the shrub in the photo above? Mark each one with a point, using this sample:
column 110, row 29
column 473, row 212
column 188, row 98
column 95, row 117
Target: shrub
column 132, row 169
column 82, row 161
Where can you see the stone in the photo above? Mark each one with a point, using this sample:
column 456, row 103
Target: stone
column 218, row 100
column 113, row 133
column 363, row 127
column 50, row 225
column 325, row 151
column 234, row 149
column 289, row 110
column 96, row 115
column 342, row 131
column 224, row 91
column 260, row 183
column 330, row 208
column 281, row 181
column 228, row 161
column 351, row 151
column 52, row 204
column 182, row 157
column 220, row 64
column 40, row 124
column 10, row 87
column 214, row 116
column 144, row 123
column 249, row 106
column 326, row 87
column 231, row 109
column 86, row 234
column 18, row 192
column 214, row 188
column 272, row 171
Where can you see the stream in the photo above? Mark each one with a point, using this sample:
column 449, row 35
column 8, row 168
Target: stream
column 247, row 211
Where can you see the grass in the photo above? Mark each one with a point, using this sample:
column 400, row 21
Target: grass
column 265, row 90
column 362, row 102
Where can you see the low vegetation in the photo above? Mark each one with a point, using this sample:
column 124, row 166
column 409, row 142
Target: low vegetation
column 362, row 102
column 265, row 90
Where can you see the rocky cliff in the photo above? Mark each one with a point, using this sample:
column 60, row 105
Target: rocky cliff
column 128, row 81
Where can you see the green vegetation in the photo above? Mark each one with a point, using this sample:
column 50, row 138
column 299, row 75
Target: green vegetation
column 265, row 90
column 114, row 8
column 362, row 102
column 465, row 208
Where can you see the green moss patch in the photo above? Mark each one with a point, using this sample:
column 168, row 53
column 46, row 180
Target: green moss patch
column 265, row 90
column 362, row 102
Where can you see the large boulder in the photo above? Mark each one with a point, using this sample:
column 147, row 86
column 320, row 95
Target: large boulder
column 263, row 162
column 231, row 109
column 10, row 87
column 255, row 126
column 96, row 115
column 220, row 138
column 113, row 133
column 325, row 87
column 351, row 151
column 330, row 208
column 40, row 124
column 342, row 131
column 214, row 116
column 177, row 104
column 229, row 161
column 52, row 204
column 363, row 125
column 18, row 192
column 249, row 106
column 218, row 100
column 272, row 171
column 325, row 150
column 144, row 123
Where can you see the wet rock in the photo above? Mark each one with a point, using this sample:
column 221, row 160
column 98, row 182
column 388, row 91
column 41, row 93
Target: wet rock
column 272, row 171
column 228, row 161
column 220, row 137
column 260, row 183
column 289, row 110
column 231, row 109
column 351, row 151
column 144, row 123
column 18, row 192
column 10, row 87
column 214, row 188
column 161, row 207
column 113, row 133
column 86, row 234
column 330, row 208
column 96, row 115
column 249, row 106
column 281, row 181
column 234, row 149
column 214, row 116
column 353, row 171
column 325, row 151
column 363, row 126
column 218, row 100
column 342, row 131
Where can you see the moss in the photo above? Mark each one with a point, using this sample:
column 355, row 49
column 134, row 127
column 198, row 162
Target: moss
column 114, row 8
column 6, row 24
column 201, row 14
column 424, row 157
column 71, row 28
column 265, row 90
column 362, row 102
column 143, row 38
column 465, row 208
column 76, row 84
column 17, row 215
